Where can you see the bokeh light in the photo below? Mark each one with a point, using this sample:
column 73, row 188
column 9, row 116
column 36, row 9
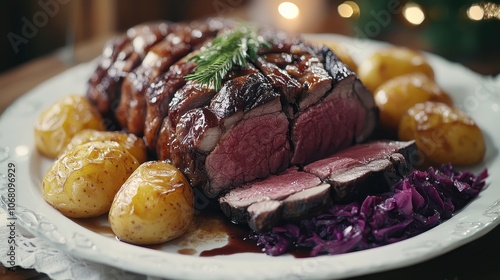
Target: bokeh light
column 288, row 10
column 413, row 13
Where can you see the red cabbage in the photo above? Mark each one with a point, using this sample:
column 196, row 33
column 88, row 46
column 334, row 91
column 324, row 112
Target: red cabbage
column 417, row 203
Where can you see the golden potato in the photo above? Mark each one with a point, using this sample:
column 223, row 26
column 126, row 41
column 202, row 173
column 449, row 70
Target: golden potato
column 398, row 94
column 391, row 62
column 155, row 205
column 57, row 124
column 132, row 143
column 83, row 181
column 443, row 134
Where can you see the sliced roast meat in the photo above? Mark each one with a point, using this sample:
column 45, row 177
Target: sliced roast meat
column 131, row 111
column 306, row 202
column 263, row 215
column 98, row 84
column 263, row 203
column 347, row 175
column 310, row 72
column 346, row 116
column 253, row 140
column 254, row 143
column 364, row 169
column 280, row 79
column 339, row 71
column 292, row 106
column 299, row 76
column 158, row 97
column 191, row 96
column 277, row 187
column 197, row 133
column 182, row 40
column 328, row 126
column 121, row 56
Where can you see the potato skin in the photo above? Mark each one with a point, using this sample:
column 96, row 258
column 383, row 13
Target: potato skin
column 397, row 95
column 155, row 205
column 443, row 134
column 83, row 181
column 129, row 141
column 58, row 123
column 391, row 62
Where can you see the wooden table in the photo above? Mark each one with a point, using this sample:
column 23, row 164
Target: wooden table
column 479, row 259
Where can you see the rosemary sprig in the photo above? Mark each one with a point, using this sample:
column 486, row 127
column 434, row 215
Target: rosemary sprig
column 226, row 51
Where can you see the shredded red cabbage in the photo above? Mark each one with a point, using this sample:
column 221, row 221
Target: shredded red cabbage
column 419, row 202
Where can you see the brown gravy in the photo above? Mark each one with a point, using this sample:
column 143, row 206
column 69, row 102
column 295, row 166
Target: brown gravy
column 208, row 226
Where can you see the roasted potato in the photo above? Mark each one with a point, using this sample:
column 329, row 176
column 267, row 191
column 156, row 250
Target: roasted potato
column 443, row 134
column 391, row 62
column 155, row 205
column 58, row 123
column 398, row 94
column 132, row 143
column 83, row 181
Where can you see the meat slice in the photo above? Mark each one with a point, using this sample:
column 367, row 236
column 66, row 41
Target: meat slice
column 197, row 133
column 264, row 203
column 346, row 115
column 311, row 73
column 339, row 71
column 289, row 87
column 254, row 143
column 347, row 175
column 277, row 187
column 131, row 111
column 191, row 96
column 182, row 40
column 298, row 74
column 263, row 215
column 120, row 56
column 252, row 139
column 99, row 82
column 364, row 169
column 329, row 125
column 158, row 97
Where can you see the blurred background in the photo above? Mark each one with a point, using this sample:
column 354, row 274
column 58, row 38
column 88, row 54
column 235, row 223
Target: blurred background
column 459, row 30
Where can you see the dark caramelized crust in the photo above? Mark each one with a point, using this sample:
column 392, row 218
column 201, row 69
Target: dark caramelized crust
column 120, row 56
column 158, row 97
column 131, row 111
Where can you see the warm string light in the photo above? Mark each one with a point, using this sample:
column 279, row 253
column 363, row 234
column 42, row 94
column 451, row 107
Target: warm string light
column 348, row 9
column 484, row 11
column 475, row 12
column 413, row 13
column 288, row 10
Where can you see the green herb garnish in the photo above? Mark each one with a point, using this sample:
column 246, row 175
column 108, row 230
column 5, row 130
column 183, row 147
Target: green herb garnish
column 226, row 51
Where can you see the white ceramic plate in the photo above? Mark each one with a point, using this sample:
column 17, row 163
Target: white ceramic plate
column 473, row 93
